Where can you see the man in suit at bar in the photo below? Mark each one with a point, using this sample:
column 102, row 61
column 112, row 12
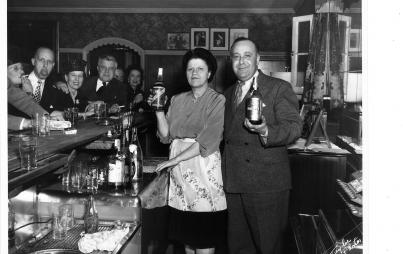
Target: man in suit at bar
column 42, row 79
column 256, row 174
column 105, row 87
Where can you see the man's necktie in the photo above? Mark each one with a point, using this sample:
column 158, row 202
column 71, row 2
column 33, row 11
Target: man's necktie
column 37, row 92
column 238, row 94
column 100, row 90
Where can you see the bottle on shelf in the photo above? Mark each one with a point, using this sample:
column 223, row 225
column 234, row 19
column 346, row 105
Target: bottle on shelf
column 254, row 104
column 158, row 91
column 136, row 155
column 91, row 216
column 116, row 168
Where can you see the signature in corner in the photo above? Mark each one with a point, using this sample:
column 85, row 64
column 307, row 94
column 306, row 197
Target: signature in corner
column 343, row 246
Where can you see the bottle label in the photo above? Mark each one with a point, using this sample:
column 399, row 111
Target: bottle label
column 116, row 172
column 254, row 109
column 158, row 101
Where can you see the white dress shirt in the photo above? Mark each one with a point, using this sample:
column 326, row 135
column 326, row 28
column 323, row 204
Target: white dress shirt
column 100, row 84
column 247, row 85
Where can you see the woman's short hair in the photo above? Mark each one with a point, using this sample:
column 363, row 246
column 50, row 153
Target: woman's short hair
column 205, row 55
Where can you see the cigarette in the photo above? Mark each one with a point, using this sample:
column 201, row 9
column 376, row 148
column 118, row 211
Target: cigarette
column 24, row 76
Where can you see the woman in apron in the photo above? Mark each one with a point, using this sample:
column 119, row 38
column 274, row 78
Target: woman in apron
column 194, row 126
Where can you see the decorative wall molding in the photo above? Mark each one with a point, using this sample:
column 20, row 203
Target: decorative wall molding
column 152, row 10
column 113, row 41
column 70, row 50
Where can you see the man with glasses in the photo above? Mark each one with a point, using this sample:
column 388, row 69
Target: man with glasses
column 105, row 87
column 41, row 79
column 256, row 174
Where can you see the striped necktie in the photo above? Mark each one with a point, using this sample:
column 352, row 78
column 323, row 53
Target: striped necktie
column 37, row 92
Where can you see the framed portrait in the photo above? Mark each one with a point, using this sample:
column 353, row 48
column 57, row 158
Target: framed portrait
column 236, row 33
column 219, row 38
column 178, row 41
column 355, row 40
column 199, row 38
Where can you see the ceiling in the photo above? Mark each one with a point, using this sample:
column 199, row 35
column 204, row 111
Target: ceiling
column 195, row 6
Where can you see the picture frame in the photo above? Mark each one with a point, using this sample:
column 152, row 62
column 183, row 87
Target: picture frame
column 355, row 40
column 199, row 38
column 178, row 41
column 219, row 38
column 236, row 33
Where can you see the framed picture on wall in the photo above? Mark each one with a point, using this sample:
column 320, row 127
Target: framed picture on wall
column 236, row 33
column 355, row 40
column 199, row 38
column 219, row 38
column 178, row 41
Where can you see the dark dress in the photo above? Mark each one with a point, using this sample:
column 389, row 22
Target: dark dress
column 55, row 99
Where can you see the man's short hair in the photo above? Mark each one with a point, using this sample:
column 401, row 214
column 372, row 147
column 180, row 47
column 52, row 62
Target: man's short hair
column 107, row 58
column 43, row 48
column 245, row 39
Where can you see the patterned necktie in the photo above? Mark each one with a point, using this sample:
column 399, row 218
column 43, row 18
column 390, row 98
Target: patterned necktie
column 37, row 93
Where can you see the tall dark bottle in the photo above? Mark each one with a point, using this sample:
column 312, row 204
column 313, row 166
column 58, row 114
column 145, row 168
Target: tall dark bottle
column 158, row 91
column 91, row 216
column 254, row 104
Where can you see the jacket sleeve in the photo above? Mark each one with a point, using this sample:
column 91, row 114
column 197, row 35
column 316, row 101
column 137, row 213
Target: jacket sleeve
column 23, row 102
column 288, row 126
column 14, row 122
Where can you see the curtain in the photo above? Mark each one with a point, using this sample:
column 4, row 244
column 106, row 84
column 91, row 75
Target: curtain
column 323, row 76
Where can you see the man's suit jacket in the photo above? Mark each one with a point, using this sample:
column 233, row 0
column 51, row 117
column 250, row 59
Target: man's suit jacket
column 115, row 92
column 250, row 166
column 23, row 102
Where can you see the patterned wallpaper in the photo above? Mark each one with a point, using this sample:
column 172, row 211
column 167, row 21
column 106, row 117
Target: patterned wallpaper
column 271, row 31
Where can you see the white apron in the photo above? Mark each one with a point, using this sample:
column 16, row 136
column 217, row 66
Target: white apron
column 196, row 184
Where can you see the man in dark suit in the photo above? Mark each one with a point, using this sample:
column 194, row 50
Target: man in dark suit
column 256, row 173
column 105, row 87
column 41, row 79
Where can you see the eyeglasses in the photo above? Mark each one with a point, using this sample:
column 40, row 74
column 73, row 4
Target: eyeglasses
column 44, row 61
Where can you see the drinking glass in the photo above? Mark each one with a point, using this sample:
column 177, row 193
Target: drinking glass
column 71, row 114
column 59, row 229
column 28, row 152
column 78, row 174
column 40, row 124
column 66, row 214
column 99, row 110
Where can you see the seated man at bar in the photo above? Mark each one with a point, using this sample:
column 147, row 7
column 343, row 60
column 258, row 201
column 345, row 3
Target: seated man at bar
column 56, row 99
column 105, row 87
column 20, row 100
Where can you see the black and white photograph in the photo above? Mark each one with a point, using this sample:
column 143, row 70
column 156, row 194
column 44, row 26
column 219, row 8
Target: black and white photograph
column 219, row 38
column 178, row 41
column 199, row 38
column 201, row 127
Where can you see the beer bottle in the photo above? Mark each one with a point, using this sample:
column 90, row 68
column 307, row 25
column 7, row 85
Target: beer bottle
column 158, row 90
